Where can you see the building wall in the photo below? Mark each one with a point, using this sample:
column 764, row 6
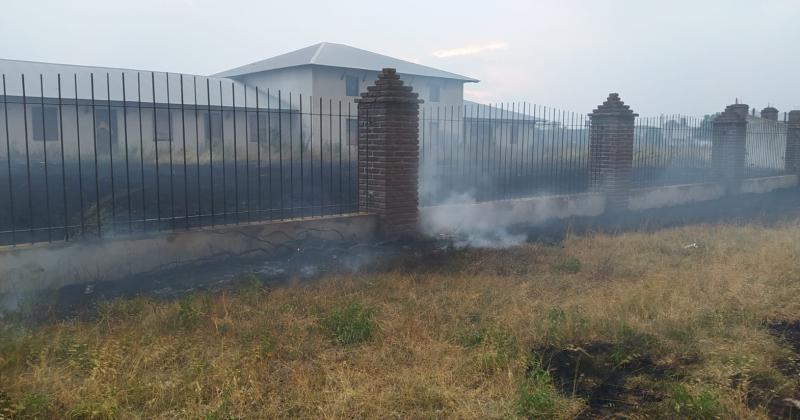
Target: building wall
column 330, row 83
column 293, row 80
column 75, row 126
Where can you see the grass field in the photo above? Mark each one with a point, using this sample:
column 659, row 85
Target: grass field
column 693, row 322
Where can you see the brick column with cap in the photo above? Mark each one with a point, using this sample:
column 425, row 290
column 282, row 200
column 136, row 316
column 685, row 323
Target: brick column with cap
column 388, row 154
column 611, row 151
column 793, row 143
column 728, row 147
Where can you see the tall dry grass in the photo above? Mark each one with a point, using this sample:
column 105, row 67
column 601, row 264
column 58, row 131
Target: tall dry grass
column 450, row 336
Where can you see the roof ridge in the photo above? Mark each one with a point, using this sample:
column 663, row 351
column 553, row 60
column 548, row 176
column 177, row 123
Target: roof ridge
column 340, row 55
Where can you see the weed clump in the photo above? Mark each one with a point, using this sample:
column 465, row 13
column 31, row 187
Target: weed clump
column 702, row 406
column 350, row 324
column 536, row 395
column 190, row 311
column 569, row 265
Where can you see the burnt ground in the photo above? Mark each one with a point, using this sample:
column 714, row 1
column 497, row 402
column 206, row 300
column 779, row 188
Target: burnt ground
column 309, row 259
column 599, row 373
column 627, row 377
column 761, row 390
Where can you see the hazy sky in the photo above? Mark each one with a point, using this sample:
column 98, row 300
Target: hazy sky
column 690, row 57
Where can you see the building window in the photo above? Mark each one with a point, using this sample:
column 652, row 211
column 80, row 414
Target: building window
column 45, row 123
column 213, row 126
column 352, row 85
column 105, row 127
column 352, row 131
column 434, row 97
column 162, row 125
column 265, row 128
column 258, row 127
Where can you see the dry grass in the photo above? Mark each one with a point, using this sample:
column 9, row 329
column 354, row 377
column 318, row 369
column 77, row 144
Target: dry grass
column 449, row 336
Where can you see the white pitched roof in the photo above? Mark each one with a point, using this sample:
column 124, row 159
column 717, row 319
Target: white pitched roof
column 220, row 91
column 340, row 55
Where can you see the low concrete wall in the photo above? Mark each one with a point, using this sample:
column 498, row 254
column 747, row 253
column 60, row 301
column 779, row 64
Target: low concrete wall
column 49, row 266
column 499, row 214
column 673, row 195
column 487, row 216
column 767, row 184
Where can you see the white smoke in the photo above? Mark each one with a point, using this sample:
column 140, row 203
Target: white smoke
column 468, row 224
column 459, row 217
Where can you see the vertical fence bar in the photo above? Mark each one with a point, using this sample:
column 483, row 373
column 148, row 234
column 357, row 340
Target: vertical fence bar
column 8, row 165
column 80, row 170
column 197, row 152
column 247, row 154
column 171, row 166
column 280, row 154
column 291, row 160
column 330, row 156
column 185, row 170
column 350, row 158
column 235, row 155
column 111, row 154
column 63, row 167
column 302, row 160
column 155, row 145
column 258, row 157
column 27, row 160
column 321, row 180
column 210, row 136
column 96, row 169
column 141, row 150
column 269, row 155
column 224, row 163
column 46, row 172
column 127, row 161
column 341, row 197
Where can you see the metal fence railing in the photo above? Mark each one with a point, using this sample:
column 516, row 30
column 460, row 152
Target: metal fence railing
column 93, row 155
column 480, row 152
column 765, row 144
column 669, row 150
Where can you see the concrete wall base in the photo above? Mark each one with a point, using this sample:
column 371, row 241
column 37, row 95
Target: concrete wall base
column 51, row 266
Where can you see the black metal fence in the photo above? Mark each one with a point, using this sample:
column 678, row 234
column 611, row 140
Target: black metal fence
column 98, row 155
column 669, row 150
column 93, row 155
column 765, row 144
column 482, row 152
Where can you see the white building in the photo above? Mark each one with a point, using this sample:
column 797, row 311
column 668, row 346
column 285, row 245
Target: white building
column 340, row 72
column 313, row 88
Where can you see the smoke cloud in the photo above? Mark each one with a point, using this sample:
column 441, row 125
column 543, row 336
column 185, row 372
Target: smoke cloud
column 460, row 217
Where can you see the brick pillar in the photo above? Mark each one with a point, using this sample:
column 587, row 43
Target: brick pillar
column 388, row 154
column 769, row 113
column 728, row 148
column 611, row 151
column 793, row 143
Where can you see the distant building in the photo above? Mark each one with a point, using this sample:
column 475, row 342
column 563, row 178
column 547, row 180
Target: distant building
column 340, row 73
column 290, row 85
